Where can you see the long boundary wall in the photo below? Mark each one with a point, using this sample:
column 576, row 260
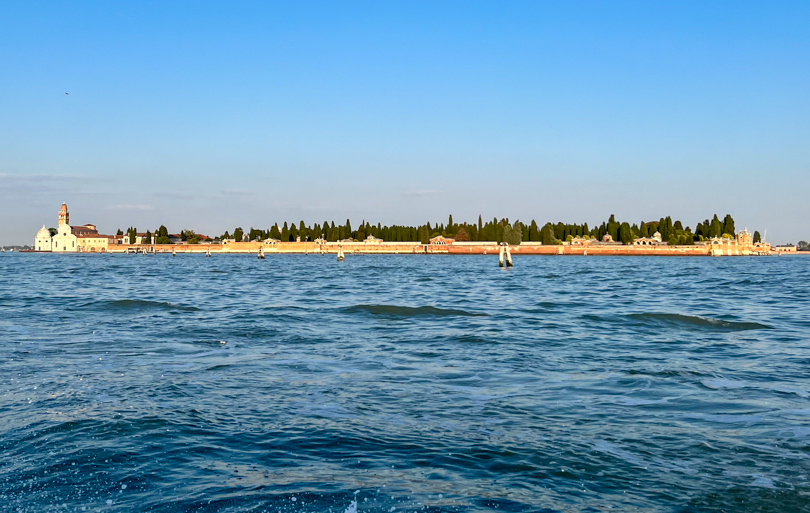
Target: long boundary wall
column 410, row 248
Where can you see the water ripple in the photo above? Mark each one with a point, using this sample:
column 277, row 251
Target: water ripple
column 403, row 383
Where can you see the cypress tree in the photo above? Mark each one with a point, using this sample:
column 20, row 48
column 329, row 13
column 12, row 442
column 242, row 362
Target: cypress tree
column 728, row 225
column 547, row 235
column 533, row 232
column 625, row 234
column 559, row 231
column 424, row 234
column 757, row 237
column 715, row 228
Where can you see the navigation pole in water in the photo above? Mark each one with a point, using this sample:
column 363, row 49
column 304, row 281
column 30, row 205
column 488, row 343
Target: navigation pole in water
column 504, row 256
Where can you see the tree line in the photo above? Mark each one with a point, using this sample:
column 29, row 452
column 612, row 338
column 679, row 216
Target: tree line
column 495, row 230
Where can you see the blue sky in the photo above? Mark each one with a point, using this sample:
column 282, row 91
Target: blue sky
column 211, row 115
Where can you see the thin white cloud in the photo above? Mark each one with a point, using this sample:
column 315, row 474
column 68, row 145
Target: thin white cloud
column 13, row 178
column 130, row 207
column 421, row 193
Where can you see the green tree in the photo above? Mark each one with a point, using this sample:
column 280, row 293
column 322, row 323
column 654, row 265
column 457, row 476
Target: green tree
column 757, row 237
column 238, row 233
column 715, row 228
column 534, row 232
column 612, row 227
column 547, row 235
column 512, row 234
column 163, row 236
column 189, row 236
column 642, row 229
column 424, row 234
column 625, row 234
column 728, row 225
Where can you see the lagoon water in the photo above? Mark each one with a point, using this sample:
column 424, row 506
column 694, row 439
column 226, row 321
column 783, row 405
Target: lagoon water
column 404, row 383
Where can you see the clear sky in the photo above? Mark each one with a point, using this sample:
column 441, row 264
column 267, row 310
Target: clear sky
column 210, row 115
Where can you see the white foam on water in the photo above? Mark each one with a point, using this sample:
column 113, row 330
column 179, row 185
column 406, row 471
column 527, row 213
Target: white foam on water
column 631, row 401
column 352, row 507
column 614, row 450
column 762, row 481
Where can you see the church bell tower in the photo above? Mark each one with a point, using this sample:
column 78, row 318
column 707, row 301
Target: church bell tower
column 64, row 217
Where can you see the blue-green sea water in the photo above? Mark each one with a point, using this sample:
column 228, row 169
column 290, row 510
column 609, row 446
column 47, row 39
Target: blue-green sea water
column 404, row 383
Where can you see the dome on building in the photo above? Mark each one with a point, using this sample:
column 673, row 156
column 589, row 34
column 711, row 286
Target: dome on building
column 43, row 232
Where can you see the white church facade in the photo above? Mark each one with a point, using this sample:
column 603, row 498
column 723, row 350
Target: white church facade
column 70, row 239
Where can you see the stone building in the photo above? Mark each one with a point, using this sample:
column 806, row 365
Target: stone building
column 70, row 239
column 442, row 241
column 649, row 241
column 43, row 240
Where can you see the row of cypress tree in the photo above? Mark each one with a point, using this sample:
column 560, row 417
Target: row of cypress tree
column 496, row 230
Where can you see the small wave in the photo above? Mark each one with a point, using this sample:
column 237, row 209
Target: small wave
column 410, row 311
column 472, row 339
column 721, row 384
column 139, row 304
column 695, row 321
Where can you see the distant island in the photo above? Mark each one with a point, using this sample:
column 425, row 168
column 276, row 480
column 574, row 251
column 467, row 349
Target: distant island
column 659, row 237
